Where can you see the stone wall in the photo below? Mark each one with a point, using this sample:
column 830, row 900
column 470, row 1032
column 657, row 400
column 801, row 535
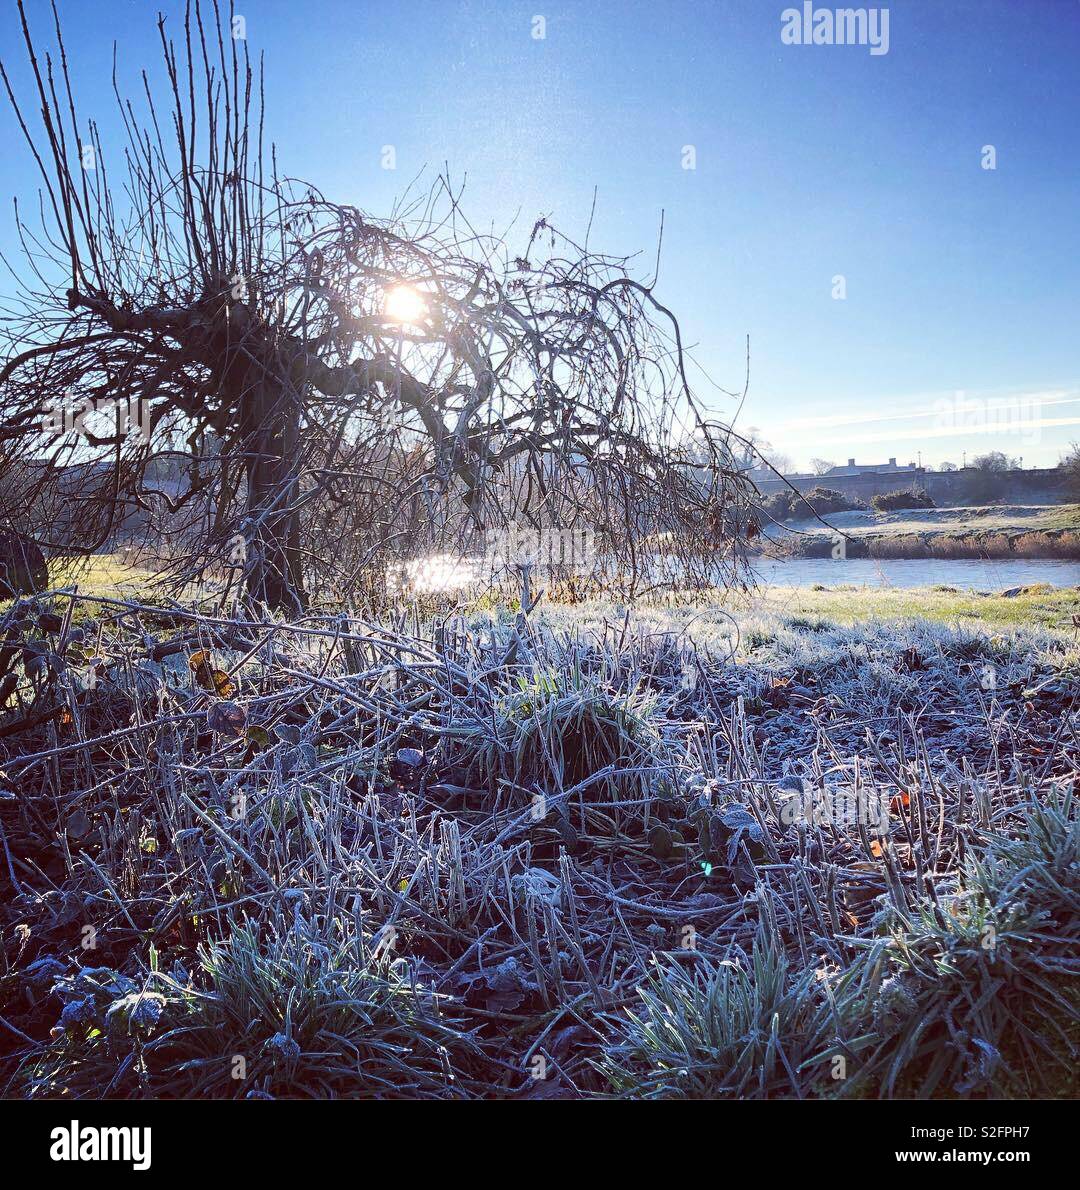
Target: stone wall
column 1030, row 486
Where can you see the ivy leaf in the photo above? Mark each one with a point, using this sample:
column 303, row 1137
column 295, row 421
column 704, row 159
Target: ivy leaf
column 661, row 843
column 258, row 737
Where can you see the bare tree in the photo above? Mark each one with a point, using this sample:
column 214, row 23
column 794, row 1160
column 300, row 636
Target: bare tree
column 1070, row 469
column 995, row 461
column 821, row 466
column 754, row 450
column 318, row 391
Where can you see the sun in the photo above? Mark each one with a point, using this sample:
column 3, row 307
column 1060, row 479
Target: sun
column 405, row 304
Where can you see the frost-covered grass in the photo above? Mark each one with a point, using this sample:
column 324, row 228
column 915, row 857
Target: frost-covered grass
column 768, row 607
column 761, row 850
column 100, row 574
column 918, row 520
column 1039, row 604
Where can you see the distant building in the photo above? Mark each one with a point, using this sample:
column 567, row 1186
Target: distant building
column 864, row 481
column 854, row 468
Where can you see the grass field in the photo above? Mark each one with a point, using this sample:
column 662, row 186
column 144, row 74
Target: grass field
column 1041, row 604
column 100, row 574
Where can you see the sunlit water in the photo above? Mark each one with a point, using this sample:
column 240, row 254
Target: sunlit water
column 441, row 573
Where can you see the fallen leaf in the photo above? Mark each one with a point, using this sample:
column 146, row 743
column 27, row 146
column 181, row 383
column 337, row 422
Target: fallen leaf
column 226, row 718
column 201, row 666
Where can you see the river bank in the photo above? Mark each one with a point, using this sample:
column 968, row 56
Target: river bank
column 1004, row 532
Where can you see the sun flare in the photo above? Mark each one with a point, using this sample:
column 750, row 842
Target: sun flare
column 405, row 304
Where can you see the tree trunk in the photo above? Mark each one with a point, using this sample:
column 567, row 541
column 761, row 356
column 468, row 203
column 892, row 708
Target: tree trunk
column 271, row 433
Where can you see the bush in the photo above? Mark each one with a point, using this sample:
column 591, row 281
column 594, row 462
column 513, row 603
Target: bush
column 777, row 507
column 825, row 500
column 893, row 501
column 23, row 570
column 789, row 506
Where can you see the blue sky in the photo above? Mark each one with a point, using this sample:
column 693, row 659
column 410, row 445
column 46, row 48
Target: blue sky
column 812, row 162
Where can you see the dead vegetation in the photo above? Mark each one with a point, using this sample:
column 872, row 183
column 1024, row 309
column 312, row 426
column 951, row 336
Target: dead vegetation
column 493, row 856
